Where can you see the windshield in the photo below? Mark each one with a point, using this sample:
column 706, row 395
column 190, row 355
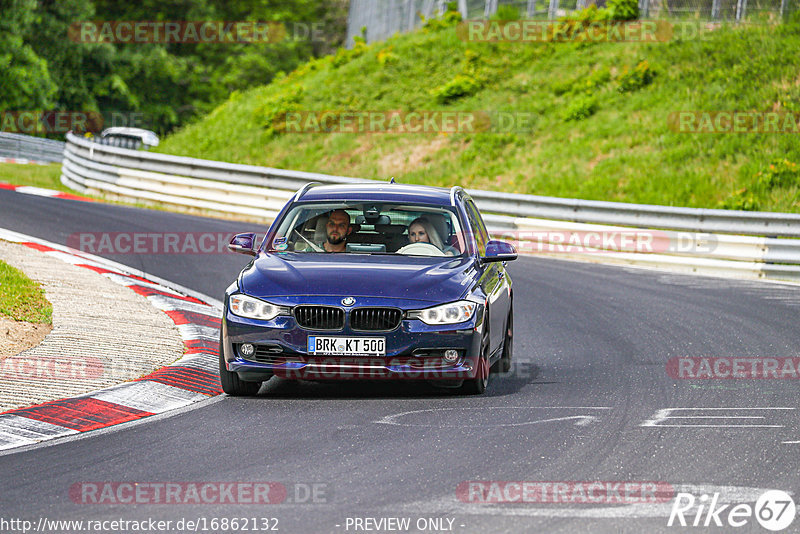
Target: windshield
column 370, row 228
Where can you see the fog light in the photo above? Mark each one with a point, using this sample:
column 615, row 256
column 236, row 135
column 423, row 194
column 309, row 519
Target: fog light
column 247, row 349
column 450, row 355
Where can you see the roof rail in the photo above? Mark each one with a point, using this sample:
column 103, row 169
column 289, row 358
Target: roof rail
column 453, row 190
column 302, row 190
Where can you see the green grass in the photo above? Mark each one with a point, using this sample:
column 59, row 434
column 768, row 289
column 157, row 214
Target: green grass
column 45, row 176
column 600, row 128
column 22, row 299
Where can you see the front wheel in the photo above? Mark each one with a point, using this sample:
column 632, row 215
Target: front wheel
column 231, row 384
column 477, row 385
column 503, row 365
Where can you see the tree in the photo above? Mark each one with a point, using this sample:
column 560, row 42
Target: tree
column 25, row 84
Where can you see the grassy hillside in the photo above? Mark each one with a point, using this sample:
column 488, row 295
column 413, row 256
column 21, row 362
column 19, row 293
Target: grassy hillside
column 601, row 117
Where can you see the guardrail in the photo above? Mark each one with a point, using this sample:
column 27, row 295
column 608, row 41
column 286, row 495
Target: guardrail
column 32, row 149
column 702, row 241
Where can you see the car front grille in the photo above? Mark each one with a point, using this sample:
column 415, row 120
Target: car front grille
column 319, row 317
column 375, row 319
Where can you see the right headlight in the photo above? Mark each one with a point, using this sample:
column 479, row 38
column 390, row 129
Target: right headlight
column 451, row 313
column 253, row 308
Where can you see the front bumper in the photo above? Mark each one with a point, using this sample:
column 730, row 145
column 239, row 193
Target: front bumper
column 414, row 351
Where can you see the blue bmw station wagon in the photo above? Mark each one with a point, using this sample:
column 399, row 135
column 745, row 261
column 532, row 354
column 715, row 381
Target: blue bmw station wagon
column 364, row 281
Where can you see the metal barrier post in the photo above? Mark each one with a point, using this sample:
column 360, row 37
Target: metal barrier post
column 741, row 6
column 553, row 10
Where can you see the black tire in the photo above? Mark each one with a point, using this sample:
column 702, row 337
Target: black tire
column 503, row 365
column 477, row 385
column 230, row 381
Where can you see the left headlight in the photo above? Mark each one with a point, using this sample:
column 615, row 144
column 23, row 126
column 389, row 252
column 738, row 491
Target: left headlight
column 452, row 313
column 253, row 308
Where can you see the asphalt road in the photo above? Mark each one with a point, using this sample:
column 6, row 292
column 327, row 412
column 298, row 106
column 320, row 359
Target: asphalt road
column 584, row 402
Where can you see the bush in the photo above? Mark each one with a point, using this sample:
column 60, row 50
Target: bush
column 274, row 109
column 344, row 56
column 450, row 18
column 579, row 108
column 506, row 12
column 466, row 83
column 741, row 200
column 780, row 173
column 461, row 85
column 623, row 9
column 572, row 28
column 636, row 78
column 387, row 57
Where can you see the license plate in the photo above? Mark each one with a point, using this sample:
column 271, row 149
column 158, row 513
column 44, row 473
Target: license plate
column 347, row 346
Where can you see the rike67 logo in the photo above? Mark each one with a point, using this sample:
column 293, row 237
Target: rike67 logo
column 774, row 510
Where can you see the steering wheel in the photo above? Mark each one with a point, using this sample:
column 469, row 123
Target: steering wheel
column 421, row 249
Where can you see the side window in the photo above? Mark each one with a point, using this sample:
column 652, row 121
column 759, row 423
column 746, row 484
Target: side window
column 478, row 228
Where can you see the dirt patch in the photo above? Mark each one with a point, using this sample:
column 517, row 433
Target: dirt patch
column 17, row 336
column 410, row 157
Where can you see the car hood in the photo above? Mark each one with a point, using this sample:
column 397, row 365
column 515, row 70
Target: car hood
column 395, row 277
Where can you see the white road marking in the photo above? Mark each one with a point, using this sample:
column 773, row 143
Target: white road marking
column 193, row 331
column 665, row 414
column 205, row 361
column 581, row 420
column 176, row 304
column 72, row 259
column 38, row 191
column 16, row 430
column 127, row 281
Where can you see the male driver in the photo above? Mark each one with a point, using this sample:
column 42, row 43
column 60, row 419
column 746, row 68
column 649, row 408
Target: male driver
column 337, row 228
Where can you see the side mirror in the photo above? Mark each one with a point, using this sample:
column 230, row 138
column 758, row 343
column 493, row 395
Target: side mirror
column 499, row 251
column 243, row 244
